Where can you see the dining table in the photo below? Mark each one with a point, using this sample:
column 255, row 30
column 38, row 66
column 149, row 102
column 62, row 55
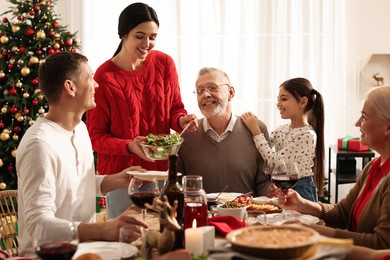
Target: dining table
column 221, row 249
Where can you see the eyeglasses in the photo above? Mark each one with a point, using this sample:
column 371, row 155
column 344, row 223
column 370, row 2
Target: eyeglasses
column 211, row 88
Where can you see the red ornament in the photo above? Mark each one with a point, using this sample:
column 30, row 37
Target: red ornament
column 34, row 82
column 10, row 66
column 48, row 4
column 29, row 32
column 39, row 52
column 55, row 24
column 73, row 50
column 68, row 42
column 35, row 102
column 52, row 33
column 20, row 18
column 26, row 111
column 51, row 51
column 1, row 125
column 10, row 168
column 22, row 49
column 14, row 110
column 5, row 20
column 37, row 7
column 31, row 12
column 16, row 129
column 58, row 50
column 13, row 92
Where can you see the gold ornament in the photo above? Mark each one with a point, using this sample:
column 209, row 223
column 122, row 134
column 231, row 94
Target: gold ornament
column 11, row 61
column 13, row 153
column 4, row 109
column 31, row 122
column 19, row 84
column 41, row 34
column 4, row 39
column 15, row 10
column 2, row 74
column 4, row 136
column 1, row 163
column 5, row 92
column 40, row 97
column 15, row 137
column 37, row 90
column 41, row 110
column 76, row 40
column 56, row 45
column 3, row 186
column 25, row 71
column 20, row 118
column 34, row 60
column 57, row 36
column 15, row 28
column 20, row 62
column 26, row 95
column 14, row 49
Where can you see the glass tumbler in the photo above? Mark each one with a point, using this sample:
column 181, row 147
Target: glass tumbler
column 195, row 201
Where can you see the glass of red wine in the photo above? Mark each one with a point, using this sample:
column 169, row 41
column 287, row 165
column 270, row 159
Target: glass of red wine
column 284, row 176
column 57, row 241
column 143, row 191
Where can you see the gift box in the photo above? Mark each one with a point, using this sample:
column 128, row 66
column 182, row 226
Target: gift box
column 350, row 143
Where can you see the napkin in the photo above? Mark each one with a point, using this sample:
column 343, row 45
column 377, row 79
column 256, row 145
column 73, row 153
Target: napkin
column 225, row 224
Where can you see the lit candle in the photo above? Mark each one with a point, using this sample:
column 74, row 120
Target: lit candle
column 194, row 240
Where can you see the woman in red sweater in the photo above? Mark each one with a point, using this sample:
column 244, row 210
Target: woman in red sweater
column 138, row 94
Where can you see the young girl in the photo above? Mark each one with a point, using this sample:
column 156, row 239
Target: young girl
column 301, row 141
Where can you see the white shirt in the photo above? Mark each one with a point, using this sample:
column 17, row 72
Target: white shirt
column 216, row 137
column 56, row 179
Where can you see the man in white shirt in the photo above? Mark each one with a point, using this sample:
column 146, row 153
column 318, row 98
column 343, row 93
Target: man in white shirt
column 55, row 164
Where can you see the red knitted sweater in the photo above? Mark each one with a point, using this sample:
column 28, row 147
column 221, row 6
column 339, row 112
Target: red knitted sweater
column 133, row 103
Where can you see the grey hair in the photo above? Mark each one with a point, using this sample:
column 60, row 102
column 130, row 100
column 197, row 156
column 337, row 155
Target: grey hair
column 379, row 98
column 206, row 70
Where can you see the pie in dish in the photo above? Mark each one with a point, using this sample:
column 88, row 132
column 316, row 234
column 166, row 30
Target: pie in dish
column 273, row 237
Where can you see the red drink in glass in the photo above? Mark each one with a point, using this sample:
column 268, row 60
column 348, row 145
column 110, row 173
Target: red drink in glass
column 195, row 210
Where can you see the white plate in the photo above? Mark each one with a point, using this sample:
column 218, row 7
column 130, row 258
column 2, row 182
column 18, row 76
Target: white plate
column 277, row 218
column 107, row 250
column 225, row 196
column 149, row 175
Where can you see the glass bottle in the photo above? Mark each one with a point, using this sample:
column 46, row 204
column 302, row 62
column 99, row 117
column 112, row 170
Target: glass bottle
column 195, row 201
column 173, row 190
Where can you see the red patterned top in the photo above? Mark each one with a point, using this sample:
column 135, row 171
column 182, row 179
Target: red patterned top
column 133, row 103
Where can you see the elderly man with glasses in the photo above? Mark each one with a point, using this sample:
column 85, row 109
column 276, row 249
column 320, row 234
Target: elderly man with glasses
column 222, row 149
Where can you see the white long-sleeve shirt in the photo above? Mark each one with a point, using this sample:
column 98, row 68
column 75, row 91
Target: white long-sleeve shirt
column 56, row 180
column 293, row 144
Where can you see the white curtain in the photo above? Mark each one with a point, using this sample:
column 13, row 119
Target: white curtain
column 259, row 43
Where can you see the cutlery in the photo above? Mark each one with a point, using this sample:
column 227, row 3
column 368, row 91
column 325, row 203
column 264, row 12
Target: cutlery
column 184, row 129
column 221, row 191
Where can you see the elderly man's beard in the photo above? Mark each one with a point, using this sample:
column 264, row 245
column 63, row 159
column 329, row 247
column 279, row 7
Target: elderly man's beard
column 216, row 112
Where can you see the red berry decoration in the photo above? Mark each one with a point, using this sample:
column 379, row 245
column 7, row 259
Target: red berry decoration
column 68, row 42
column 5, row 20
column 10, row 66
column 48, row 4
column 13, row 92
column 16, row 129
column 20, row 18
column 29, row 32
column 51, row 51
column 31, row 12
column 1, row 125
column 34, row 82
column 14, row 110
column 52, row 33
column 22, row 49
column 37, row 7
column 55, row 24
column 10, row 168
column 26, row 111
column 39, row 52
column 35, row 102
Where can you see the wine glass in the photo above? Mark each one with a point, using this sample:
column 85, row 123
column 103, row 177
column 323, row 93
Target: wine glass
column 284, row 176
column 267, row 168
column 56, row 241
column 143, row 191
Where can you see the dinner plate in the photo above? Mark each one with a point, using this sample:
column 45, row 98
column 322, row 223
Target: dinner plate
column 225, row 196
column 277, row 218
column 149, row 175
column 107, row 250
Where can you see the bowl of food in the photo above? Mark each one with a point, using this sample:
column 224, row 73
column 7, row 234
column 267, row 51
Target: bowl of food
column 159, row 147
column 231, row 208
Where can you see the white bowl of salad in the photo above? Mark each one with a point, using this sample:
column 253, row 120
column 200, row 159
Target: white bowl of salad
column 160, row 146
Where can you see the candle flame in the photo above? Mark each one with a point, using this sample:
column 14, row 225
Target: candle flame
column 194, row 223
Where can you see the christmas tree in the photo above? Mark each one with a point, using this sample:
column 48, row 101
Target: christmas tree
column 29, row 32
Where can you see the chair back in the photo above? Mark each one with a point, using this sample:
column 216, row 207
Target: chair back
column 9, row 222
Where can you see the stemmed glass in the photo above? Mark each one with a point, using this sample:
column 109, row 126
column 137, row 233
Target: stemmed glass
column 284, row 176
column 57, row 241
column 267, row 168
column 143, row 191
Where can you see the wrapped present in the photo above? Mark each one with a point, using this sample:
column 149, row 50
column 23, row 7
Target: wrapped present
column 350, row 143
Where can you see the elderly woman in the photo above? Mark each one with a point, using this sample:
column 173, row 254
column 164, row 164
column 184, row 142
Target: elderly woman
column 364, row 215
